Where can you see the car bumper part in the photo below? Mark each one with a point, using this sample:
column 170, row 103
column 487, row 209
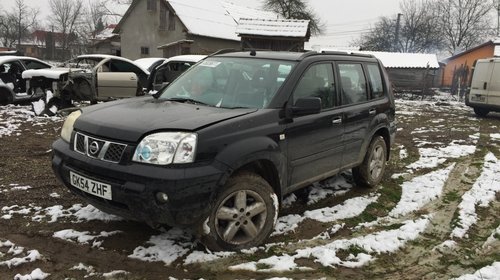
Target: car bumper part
column 135, row 187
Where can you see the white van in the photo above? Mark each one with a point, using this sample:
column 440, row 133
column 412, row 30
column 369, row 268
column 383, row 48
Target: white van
column 484, row 94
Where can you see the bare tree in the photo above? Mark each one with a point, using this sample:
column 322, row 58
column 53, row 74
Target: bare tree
column 295, row 9
column 464, row 23
column 67, row 18
column 418, row 30
column 15, row 25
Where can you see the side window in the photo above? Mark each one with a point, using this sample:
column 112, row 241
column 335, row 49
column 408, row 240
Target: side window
column 375, row 78
column 353, row 83
column 32, row 64
column 151, row 5
column 317, row 81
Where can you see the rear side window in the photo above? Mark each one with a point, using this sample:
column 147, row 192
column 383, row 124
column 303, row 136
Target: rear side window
column 375, row 79
column 32, row 64
column 352, row 83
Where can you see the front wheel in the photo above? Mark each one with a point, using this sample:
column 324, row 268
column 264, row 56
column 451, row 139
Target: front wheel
column 481, row 112
column 242, row 216
column 371, row 170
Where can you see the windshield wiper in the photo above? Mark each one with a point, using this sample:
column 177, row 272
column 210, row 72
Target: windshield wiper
column 187, row 100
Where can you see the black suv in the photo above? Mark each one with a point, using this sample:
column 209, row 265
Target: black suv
column 219, row 147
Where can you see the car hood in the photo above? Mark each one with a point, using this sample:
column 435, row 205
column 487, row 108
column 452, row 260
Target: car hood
column 51, row 73
column 130, row 119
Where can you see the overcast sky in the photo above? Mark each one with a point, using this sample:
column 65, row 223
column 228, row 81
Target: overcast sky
column 344, row 20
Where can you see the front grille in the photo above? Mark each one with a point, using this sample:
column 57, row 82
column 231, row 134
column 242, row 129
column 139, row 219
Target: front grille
column 98, row 148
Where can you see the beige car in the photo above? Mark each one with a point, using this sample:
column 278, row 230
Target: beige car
column 86, row 78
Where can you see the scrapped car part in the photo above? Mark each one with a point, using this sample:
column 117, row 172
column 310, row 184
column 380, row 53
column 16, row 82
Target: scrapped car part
column 13, row 88
column 218, row 148
column 162, row 75
column 89, row 78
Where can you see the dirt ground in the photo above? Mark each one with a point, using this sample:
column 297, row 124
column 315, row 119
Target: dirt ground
column 25, row 161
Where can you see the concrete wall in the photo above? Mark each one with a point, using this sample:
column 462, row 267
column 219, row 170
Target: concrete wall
column 141, row 29
column 467, row 59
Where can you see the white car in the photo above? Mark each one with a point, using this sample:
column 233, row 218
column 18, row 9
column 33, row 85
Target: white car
column 484, row 95
column 150, row 63
column 94, row 77
column 12, row 85
column 170, row 69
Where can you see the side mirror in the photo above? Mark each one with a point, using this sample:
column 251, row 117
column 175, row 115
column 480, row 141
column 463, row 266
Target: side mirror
column 307, row 106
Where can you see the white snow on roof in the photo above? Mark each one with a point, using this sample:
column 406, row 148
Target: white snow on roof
column 205, row 18
column 406, row 60
column 214, row 18
column 273, row 27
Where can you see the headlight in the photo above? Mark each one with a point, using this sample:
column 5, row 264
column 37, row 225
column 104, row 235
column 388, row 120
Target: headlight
column 67, row 128
column 166, row 147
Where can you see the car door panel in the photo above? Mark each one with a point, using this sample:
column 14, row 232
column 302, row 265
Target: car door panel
column 112, row 84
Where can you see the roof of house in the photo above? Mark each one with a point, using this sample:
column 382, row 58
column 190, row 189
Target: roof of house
column 273, row 27
column 209, row 18
column 405, row 60
column 495, row 43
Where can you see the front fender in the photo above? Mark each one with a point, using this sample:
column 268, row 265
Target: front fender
column 251, row 150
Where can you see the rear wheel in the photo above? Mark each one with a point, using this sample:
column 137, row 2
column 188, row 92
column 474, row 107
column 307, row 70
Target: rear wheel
column 371, row 170
column 242, row 216
column 481, row 112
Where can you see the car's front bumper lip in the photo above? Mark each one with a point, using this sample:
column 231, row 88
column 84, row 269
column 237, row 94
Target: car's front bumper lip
column 135, row 186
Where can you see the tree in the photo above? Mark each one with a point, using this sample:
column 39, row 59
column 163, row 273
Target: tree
column 15, row 25
column 66, row 18
column 464, row 23
column 295, row 9
column 418, row 30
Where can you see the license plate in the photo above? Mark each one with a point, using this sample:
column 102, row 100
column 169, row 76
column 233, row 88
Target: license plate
column 478, row 98
column 90, row 186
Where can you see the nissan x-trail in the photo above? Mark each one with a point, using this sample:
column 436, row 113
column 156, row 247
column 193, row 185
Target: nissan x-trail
column 218, row 148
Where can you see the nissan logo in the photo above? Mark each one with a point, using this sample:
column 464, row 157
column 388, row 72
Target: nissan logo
column 94, row 147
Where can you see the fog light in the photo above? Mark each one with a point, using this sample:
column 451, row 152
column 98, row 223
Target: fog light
column 161, row 197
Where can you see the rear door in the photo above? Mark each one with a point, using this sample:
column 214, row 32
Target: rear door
column 113, row 84
column 494, row 88
column 358, row 110
column 481, row 81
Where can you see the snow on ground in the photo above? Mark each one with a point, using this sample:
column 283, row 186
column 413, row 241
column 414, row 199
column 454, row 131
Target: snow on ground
column 481, row 194
column 420, row 191
column 12, row 117
column 52, row 214
column 490, row 272
column 37, row 274
column 84, row 237
column 376, row 243
column 432, row 157
column 14, row 250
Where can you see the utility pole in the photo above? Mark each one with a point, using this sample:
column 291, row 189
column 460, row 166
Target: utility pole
column 498, row 18
column 398, row 23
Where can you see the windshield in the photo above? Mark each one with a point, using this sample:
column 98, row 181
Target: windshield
column 230, row 82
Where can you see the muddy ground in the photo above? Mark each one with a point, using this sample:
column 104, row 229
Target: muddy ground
column 25, row 161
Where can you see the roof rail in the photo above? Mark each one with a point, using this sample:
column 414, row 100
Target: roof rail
column 223, row 51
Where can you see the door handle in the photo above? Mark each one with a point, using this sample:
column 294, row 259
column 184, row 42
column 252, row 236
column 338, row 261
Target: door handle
column 485, row 85
column 337, row 121
column 372, row 112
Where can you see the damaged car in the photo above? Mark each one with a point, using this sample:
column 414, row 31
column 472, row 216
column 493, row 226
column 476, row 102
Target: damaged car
column 91, row 78
column 12, row 85
column 165, row 73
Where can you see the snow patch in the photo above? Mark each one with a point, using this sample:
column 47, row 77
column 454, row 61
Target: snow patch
column 37, row 274
column 482, row 193
column 486, row 273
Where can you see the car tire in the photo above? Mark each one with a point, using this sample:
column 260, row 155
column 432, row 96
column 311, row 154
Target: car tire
column 371, row 170
column 242, row 215
column 5, row 97
column 481, row 112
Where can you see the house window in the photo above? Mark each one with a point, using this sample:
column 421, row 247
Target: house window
column 171, row 21
column 151, row 5
column 163, row 16
column 144, row 50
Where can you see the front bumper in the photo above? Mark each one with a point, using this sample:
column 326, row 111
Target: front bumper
column 134, row 187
